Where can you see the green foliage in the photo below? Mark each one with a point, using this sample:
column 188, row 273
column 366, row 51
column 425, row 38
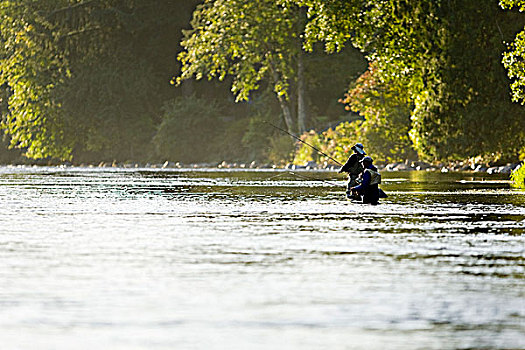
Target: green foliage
column 514, row 58
column 446, row 54
column 328, row 78
column 258, row 135
column 8, row 156
column 467, row 111
column 57, row 54
column 86, row 79
column 280, row 150
column 386, row 108
column 41, row 40
column 187, row 130
column 518, row 176
column 331, row 22
column 508, row 4
column 200, row 130
column 29, row 72
column 108, row 112
column 335, row 142
column 514, row 62
column 228, row 145
column 304, row 153
column 253, row 42
column 262, row 141
column 248, row 40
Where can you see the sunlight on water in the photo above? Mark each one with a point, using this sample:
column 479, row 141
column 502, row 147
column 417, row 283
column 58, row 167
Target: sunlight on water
column 164, row 259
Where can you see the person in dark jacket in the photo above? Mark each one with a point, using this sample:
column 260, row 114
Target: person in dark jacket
column 353, row 167
column 368, row 190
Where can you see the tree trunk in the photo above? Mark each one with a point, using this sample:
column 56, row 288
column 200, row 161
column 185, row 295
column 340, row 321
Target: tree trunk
column 285, row 107
column 301, row 102
column 287, row 114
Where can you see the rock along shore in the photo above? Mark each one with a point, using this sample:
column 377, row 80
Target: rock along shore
column 407, row 165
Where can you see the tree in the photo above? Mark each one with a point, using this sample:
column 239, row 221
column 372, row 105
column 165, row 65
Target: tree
column 447, row 59
column 251, row 41
column 385, row 107
column 82, row 77
column 28, row 72
column 188, row 129
column 514, row 58
column 44, row 42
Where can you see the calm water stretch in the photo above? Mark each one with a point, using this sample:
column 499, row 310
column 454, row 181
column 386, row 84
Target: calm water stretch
column 158, row 259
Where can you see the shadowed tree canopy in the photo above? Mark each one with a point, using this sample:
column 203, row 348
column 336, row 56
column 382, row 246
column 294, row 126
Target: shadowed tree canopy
column 90, row 77
column 83, row 76
column 448, row 52
column 251, row 41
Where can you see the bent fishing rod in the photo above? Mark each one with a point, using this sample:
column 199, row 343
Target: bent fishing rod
column 306, row 143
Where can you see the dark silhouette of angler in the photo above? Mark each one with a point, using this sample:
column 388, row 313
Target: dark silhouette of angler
column 382, row 194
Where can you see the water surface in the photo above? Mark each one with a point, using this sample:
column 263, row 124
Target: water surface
column 181, row 259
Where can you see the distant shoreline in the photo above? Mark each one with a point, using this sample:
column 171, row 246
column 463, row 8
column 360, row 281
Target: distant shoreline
column 311, row 166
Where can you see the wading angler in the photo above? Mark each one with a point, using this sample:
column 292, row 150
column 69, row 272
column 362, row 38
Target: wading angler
column 368, row 191
column 354, row 168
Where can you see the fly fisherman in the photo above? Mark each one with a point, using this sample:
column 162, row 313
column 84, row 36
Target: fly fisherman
column 368, row 189
column 353, row 167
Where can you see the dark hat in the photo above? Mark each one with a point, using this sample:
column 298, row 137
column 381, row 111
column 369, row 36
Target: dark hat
column 367, row 159
column 359, row 148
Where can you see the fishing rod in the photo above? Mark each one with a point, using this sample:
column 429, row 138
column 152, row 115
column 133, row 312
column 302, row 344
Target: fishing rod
column 306, row 143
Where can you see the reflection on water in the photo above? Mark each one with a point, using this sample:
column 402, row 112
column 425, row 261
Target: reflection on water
column 142, row 259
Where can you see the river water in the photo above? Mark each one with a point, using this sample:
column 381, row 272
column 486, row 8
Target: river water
column 180, row 259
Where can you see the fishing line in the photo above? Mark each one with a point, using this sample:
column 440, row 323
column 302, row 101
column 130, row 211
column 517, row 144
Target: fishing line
column 309, row 145
column 287, row 172
column 313, row 179
column 304, row 177
column 314, row 148
column 306, row 143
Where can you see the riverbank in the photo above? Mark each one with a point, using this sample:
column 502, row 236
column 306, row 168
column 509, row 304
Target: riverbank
column 311, row 166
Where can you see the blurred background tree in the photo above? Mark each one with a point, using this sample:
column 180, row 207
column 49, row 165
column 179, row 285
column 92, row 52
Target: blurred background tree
column 514, row 58
column 258, row 43
column 447, row 56
column 86, row 79
column 89, row 80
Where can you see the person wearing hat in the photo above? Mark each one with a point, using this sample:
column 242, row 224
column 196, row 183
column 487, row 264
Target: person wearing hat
column 368, row 190
column 353, row 167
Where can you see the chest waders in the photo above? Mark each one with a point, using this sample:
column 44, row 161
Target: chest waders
column 353, row 176
column 371, row 193
column 375, row 177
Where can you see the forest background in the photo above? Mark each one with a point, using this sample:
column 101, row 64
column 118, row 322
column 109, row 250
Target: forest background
column 89, row 81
